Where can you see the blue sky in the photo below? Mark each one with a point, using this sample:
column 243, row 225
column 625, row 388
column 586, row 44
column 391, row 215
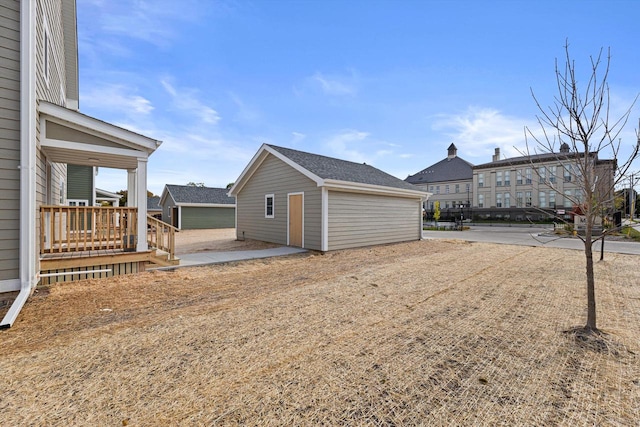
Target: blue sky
column 390, row 83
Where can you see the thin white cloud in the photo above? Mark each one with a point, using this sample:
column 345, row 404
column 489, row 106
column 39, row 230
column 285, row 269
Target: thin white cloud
column 244, row 113
column 348, row 145
column 478, row 131
column 118, row 98
column 297, row 137
column 154, row 22
column 185, row 100
column 336, row 85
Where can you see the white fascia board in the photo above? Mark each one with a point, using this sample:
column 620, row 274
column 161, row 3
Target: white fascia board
column 91, row 148
column 163, row 196
column 205, row 205
column 257, row 160
column 312, row 176
column 88, row 124
column 372, row 189
column 106, row 194
column 248, row 171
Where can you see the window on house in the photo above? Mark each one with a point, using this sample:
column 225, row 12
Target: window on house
column 446, row 189
column 480, row 200
column 446, row 205
column 519, row 199
column 62, row 193
column 527, row 198
column 542, row 174
column 268, row 206
column 519, row 176
column 567, row 173
column 468, row 188
column 507, row 178
column 431, row 188
column 507, row 200
column 457, row 188
column 567, row 199
column 480, row 180
column 542, row 199
column 552, row 199
column 552, row 174
column 527, row 175
column 437, row 189
column 499, row 179
column 498, row 200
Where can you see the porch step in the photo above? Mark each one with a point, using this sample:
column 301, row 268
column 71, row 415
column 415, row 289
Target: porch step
column 161, row 259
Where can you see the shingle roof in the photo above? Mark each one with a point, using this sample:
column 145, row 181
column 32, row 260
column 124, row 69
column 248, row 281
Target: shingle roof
column 153, row 203
column 449, row 169
column 342, row 170
column 192, row 194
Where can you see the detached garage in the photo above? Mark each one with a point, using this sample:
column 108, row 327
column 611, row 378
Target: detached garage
column 189, row 207
column 316, row 202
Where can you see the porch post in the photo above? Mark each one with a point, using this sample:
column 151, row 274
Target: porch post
column 131, row 187
column 141, row 203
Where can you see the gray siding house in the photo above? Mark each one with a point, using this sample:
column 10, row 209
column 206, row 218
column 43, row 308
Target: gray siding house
column 189, row 207
column 42, row 131
column 306, row 200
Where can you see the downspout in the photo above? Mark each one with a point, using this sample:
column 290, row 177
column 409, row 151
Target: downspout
column 28, row 276
column 324, row 228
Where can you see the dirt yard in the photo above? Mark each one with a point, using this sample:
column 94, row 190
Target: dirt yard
column 191, row 241
column 422, row 333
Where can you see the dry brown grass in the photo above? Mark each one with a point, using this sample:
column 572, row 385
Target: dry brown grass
column 431, row 332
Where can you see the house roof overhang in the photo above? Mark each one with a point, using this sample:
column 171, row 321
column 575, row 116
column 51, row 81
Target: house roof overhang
column 68, row 136
column 330, row 184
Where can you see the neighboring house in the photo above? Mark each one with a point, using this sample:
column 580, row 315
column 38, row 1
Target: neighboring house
column 82, row 191
column 188, row 207
column 41, row 133
column 153, row 207
column 108, row 198
column 449, row 181
column 534, row 187
column 306, row 200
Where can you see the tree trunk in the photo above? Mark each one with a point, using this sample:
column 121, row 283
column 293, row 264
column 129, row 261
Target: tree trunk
column 591, row 291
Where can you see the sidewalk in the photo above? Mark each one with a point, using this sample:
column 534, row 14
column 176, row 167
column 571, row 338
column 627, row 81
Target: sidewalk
column 206, row 258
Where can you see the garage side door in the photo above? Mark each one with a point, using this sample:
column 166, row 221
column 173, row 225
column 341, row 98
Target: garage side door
column 199, row 218
column 363, row 220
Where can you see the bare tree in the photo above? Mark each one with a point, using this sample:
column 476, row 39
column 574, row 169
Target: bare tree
column 578, row 123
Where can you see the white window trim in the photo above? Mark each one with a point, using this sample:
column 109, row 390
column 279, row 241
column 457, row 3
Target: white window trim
column 273, row 206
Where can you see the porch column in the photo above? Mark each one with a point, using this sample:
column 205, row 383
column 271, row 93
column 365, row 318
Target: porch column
column 131, row 187
column 141, row 203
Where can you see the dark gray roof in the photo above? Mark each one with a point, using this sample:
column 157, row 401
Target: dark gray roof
column 153, row 203
column 192, row 194
column 449, row 169
column 343, row 170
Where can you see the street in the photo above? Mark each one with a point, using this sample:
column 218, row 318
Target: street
column 530, row 236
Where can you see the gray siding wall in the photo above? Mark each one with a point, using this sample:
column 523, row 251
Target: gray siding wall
column 363, row 220
column 80, row 182
column 9, row 140
column 277, row 178
column 203, row 217
column 167, row 214
column 50, row 187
